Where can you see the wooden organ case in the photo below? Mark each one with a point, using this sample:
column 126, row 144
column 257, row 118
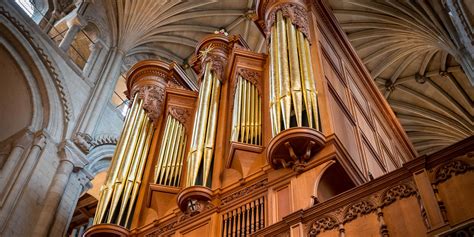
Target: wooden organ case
column 263, row 144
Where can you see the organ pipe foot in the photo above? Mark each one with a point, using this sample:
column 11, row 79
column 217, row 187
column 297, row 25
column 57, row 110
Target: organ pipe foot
column 294, row 147
column 194, row 200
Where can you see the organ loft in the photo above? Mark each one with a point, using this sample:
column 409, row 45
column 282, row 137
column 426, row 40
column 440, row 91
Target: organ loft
column 297, row 118
column 266, row 144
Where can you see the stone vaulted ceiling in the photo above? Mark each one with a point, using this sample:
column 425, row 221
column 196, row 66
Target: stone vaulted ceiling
column 409, row 51
column 171, row 29
column 407, row 47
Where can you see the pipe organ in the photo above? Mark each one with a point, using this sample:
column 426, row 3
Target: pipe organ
column 171, row 155
column 247, row 113
column 118, row 195
column 249, row 146
column 293, row 95
column 203, row 138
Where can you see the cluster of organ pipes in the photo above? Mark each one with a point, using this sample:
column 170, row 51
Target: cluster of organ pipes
column 172, row 151
column 293, row 96
column 204, row 132
column 119, row 193
column 244, row 220
column 247, row 114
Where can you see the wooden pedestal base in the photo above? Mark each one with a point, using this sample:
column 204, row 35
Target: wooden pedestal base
column 293, row 147
column 192, row 200
column 107, row 230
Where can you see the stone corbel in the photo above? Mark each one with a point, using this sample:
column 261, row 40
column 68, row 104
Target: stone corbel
column 70, row 152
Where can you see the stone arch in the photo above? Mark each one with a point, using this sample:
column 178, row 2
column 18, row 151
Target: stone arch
column 99, row 158
column 42, row 121
column 50, row 99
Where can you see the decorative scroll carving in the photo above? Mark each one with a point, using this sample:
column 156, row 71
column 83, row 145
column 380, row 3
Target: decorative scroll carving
column 359, row 208
column 153, row 100
column 325, row 223
column 293, row 11
column 174, row 84
column 245, row 191
column 252, row 76
column 163, row 229
column 450, row 169
column 180, row 114
column 399, row 191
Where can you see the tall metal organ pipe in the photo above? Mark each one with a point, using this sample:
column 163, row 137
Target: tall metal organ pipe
column 293, row 95
column 119, row 193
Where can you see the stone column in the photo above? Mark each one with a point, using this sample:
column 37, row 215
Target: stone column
column 49, row 25
column 102, row 91
column 53, row 197
column 95, row 49
column 69, row 156
column 75, row 26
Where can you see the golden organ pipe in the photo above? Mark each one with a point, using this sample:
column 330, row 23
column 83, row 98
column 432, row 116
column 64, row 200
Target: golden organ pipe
column 260, row 120
column 111, row 185
column 277, row 80
column 252, row 112
column 138, row 178
column 248, row 107
column 174, row 157
column 183, row 147
column 132, row 171
column 306, row 79
column 196, row 129
column 292, row 86
column 162, row 150
column 171, row 147
column 273, row 118
column 197, row 158
column 205, row 119
column 236, row 113
column 285, row 93
column 211, row 128
column 124, row 167
column 244, row 111
column 314, row 101
column 296, row 93
column 106, row 190
column 165, row 164
column 239, row 110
